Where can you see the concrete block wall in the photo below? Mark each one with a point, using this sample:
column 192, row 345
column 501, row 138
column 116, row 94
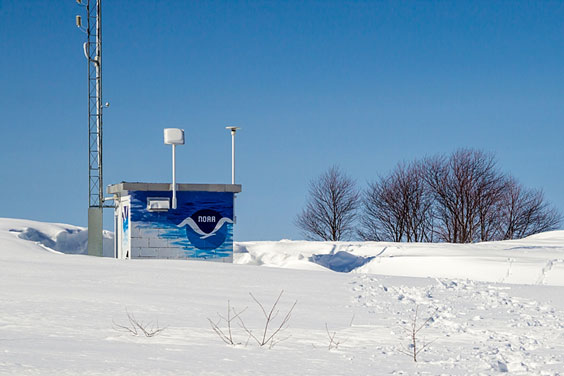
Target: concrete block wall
column 155, row 235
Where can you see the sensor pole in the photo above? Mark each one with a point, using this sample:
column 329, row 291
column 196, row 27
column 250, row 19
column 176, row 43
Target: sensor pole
column 233, row 131
column 174, row 136
column 173, row 176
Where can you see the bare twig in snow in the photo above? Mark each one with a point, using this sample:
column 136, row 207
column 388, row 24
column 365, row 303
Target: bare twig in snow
column 352, row 319
column 232, row 314
column 412, row 350
column 270, row 337
column 333, row 341
column 137, row 327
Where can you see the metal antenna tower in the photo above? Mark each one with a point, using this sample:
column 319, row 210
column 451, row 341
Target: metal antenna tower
column 93, row 53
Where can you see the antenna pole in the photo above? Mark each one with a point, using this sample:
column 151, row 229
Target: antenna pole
column 93, row 51
column 174, row 136
column 233, row 157
column 233, row 131
column 173, row 176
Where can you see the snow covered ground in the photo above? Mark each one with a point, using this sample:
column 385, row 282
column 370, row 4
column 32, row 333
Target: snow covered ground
column 538, row 259
column 60, row 313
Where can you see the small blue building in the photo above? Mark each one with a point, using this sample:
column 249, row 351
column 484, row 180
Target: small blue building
column 201, row 226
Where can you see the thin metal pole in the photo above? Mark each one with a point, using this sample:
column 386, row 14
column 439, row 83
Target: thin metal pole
column 233, row 131
column 173, row 176
column 233, row 157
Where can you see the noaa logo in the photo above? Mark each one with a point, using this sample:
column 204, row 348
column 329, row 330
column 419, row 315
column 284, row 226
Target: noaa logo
column 206, row 228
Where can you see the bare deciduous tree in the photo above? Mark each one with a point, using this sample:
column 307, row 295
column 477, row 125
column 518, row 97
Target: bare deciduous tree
column 382, row 216
column 460, row 198
column 475, row 202
column 465, row 185
column 331, row 208
column 398, row 207
column 525, row 212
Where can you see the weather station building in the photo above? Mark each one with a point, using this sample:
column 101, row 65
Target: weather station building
column 175, row 221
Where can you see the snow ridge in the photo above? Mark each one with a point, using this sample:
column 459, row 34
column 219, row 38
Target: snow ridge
column 538, row 259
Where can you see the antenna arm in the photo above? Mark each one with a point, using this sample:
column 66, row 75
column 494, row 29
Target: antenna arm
column 95, row 61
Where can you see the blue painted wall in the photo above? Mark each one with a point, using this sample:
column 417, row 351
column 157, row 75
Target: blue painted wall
column 200, row 228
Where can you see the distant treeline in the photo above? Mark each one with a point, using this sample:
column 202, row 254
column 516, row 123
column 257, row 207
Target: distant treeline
column 456, row 198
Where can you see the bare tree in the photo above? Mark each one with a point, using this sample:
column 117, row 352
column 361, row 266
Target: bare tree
column 525, row 212
column 459, row 198
column 398, row 207
column 331, row 208
column 489, row 196
column 475, row 202
column 382, row 217
column 465, row 186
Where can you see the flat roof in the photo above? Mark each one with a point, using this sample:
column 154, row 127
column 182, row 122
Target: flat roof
column 123, row 187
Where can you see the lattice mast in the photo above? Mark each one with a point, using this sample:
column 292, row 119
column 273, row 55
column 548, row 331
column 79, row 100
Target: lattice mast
column 93, row 53
column 95, row 108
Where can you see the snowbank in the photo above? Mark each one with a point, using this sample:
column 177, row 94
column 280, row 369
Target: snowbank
column 538, row 259
column 54, row 237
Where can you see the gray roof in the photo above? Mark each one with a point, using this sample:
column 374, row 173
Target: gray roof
column 123, row 187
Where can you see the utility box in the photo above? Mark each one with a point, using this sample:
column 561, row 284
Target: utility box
column 201, row 227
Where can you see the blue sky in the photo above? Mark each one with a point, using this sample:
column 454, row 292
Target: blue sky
column 363, row 85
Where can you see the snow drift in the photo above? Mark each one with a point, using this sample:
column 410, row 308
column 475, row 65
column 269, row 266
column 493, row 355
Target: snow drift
column 55, row 237
column 538, row 259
